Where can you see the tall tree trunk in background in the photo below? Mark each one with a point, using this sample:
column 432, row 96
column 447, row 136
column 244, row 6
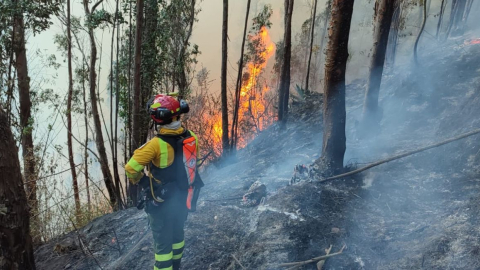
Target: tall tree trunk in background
column 458, row 23
column 415, row 56
column 16, row 247
column 440, row 17
column 238, row 87
column 85, row 153
column 311, row 44
column 334, row 115
column 225, row 142
column 383, row 20
column 26, row 120
column 129, row 100
column 467, row 11
column 451, row 20
column 284, row 91
column 136, row 91
column 107, row 175
column 69, row 117
column 113, row 129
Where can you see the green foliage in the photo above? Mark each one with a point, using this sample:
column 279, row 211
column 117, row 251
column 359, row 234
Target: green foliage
column 262, row 19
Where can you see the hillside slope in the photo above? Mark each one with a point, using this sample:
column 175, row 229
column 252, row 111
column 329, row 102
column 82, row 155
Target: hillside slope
column 418, row 212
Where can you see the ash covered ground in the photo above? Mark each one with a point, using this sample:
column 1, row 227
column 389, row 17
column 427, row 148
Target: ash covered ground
column 419, row 212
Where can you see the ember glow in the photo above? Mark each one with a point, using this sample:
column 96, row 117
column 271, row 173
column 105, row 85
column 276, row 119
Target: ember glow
column 473, row 41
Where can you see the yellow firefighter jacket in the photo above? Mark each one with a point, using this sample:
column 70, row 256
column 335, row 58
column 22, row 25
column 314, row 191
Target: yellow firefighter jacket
column 157, row 151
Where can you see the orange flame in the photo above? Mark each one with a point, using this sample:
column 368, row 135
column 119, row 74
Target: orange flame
column 473, row 41
column 253, row 107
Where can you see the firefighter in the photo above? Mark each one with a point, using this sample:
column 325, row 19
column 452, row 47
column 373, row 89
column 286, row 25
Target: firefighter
column 171, row 183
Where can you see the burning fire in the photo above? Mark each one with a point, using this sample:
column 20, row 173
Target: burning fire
column 472, row 41
column 252, row 94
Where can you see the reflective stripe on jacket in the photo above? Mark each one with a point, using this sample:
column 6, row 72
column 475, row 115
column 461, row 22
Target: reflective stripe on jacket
column 157, row 151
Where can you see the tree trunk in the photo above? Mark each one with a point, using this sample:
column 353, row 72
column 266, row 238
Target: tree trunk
column 136, row 90
column 284, row 92
column 311, row 44
column 113, row 128
column 383, row 20
column 452, row 17
column 440, row 17
column 131, row 195
column 415, row 56
column 26, row 120
column 393, row 35
column 334, row 114
column 225, row 142
column 69, row 118
column 107, row 175
column 85, row 153
column 16, row 247
column 328, row 10
column 234, row 131
column 458, row 24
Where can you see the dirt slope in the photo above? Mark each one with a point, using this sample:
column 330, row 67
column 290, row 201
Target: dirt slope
column 421, row 212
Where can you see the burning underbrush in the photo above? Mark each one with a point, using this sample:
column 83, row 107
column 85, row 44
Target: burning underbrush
column 420, row 212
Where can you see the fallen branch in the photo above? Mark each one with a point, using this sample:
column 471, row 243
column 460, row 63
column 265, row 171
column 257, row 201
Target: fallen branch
column 235, row 258
column 462, row 136
column 322, row 262
column 297, row 264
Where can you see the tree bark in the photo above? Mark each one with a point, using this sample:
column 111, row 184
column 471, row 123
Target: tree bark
column 225, row 142
column 415, row 56
column 238, row 87
column 69, row 118
column 26, row 120
column 440, row 17
column 16, row 247
column 334, row 118
column 311, row 44
column 284, row 91
column 85, row 153
column 458, row 24
column 383, row 20
column 107, row 175
column 113, row 128
column 136, row 90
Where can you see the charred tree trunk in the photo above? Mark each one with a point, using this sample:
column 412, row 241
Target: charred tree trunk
column 284, row 91
column 225, row 142
column 328, row 9
column 107, row 175
column 16, row 247
column 458, row 23
column 334, row 115
column 234, row 131
column 69, row 117
column 383, row 20
column 136, row 90
column 393, row 35
column 26, row 120
column 311, row 44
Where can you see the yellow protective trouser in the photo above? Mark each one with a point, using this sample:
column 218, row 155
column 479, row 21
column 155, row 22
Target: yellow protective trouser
column 167, row 220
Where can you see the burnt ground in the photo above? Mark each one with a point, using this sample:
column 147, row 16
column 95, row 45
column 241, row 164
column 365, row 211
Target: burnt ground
column 420, row 212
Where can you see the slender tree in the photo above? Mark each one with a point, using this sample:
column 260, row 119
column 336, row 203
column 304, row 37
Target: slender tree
column 136, row 89
column 85, row 153
column 16, row 247
column 312, row 30
column 440, row 17
column 107, row 175
column 26, row 120
column 233, row 133
column 225, row 142
column 334, row 115
column 420, row 33
column 284, row 91
column 69, row 116
column 383, row 20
